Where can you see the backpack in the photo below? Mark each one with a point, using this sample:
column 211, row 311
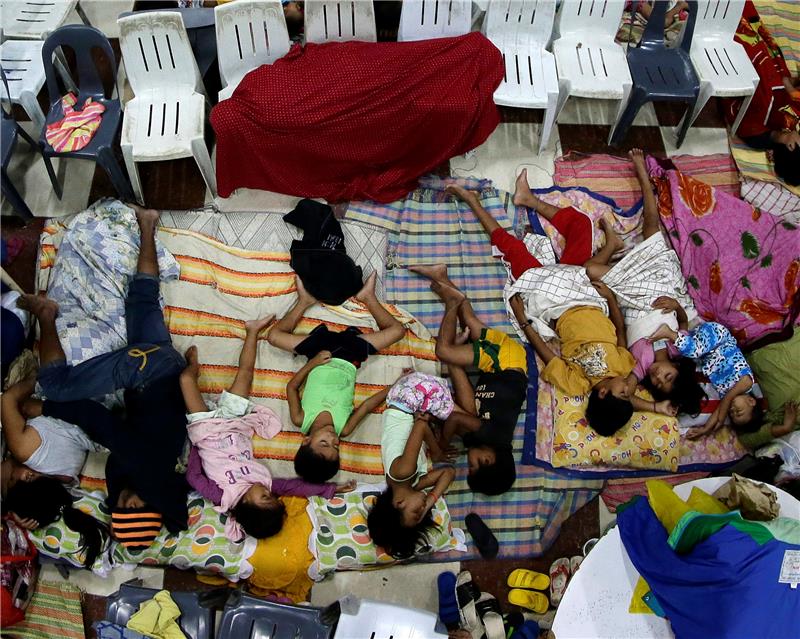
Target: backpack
column 19, row 571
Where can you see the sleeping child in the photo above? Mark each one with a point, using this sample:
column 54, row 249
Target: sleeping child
column 401, row 515
column 324, row 410
column 223, row 438
column 588, row 321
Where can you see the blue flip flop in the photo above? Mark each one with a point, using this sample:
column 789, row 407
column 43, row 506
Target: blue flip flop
column 528, row 630
column 448, row 606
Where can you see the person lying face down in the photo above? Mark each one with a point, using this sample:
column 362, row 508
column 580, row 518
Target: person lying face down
column 324, row 410
column 593, row 359
column 144, row 488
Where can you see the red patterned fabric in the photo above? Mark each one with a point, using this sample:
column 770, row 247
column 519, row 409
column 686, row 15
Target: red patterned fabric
column 357, row 120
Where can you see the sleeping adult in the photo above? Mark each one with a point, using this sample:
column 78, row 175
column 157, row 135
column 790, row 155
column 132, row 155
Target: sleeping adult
column 144, row 488
column 772, row 120
column 649, row 284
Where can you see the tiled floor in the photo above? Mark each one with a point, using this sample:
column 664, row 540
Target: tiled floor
column 178, row 185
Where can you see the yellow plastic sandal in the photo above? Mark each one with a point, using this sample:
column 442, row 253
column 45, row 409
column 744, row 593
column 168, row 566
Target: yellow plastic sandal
column 522, row 578
column 535, row 601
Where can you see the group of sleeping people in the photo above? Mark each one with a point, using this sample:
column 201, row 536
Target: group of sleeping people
column 620, row 328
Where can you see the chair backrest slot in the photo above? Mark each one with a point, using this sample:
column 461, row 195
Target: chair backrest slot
column 590, row 19
column 526, row 22
column 327, row 20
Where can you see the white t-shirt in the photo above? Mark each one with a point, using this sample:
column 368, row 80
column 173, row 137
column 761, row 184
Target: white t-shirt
column 63, row 449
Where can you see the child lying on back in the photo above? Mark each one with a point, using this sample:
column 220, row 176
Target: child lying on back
column 402, row 513
column 223, row 438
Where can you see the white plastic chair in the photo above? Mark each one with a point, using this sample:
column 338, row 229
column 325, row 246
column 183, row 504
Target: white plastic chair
column 249, row 33
column 22, row 62
column 166, row 119
column 429, row 19
column 521, row 29
column 722, row 66
column 590, row 64
column 340, row 21
column 36, row 19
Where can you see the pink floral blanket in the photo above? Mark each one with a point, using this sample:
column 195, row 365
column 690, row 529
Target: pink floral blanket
column 742, row 265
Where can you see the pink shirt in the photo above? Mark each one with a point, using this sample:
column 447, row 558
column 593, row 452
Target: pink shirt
column 226, row 450
column 643, row 353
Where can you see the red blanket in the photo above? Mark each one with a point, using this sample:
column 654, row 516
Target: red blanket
column 357, row 120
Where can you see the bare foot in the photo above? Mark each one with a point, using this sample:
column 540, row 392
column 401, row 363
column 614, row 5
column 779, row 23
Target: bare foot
column 303, row 296
column 448, row 294
column 367, row 291
column 522, row 191
column 39, row 305
column 460, row 193
column 637, row 157
column 463, row 336
column 434, row 272
column 145, row 217
column 258, row 325
column 611, row 236
column 192, row 362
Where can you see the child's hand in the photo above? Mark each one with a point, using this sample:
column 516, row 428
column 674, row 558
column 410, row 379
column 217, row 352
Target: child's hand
column 27, row 523
column 323, row 357
column 666, row 408
column 346, row 487
column 605, row 292
column 790, row 413
column 666, row 304
column 422, row 417
column 663, row 332
column 517, row 305
column 447, row 454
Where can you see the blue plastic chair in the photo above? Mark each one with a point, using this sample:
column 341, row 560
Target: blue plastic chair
column 197, row 608
column 247, row 617
column 8, row 140
column 83, row 40
column 660, row 73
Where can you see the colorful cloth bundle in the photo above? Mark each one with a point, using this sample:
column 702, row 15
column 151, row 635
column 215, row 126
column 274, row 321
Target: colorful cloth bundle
column 77, row 128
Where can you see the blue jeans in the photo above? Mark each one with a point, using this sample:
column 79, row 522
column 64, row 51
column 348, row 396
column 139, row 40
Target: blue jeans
column 148, row 357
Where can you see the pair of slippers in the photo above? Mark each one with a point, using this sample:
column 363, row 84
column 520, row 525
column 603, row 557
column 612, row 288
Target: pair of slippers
column 561, row 571
column 462, row 604
column 524, row 584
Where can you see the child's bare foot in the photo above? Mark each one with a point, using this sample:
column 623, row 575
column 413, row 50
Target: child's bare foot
column 40, row 305
column 463, row 336
column 257, row 325
column 522, row 191
column 611, row 236
column 448, row 294
column 367, row 291
column 637, row 157
column 192, row 362
column 145, row 217
column 460, row 193
column 303, row 296
column 434, row 272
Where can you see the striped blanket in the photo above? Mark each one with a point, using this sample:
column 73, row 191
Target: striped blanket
column 757, row 165
column 54, row 611
column 782, row 18
column 427, row 227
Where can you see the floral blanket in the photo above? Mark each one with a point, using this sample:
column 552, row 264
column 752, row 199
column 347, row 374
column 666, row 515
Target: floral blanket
column 742, row 265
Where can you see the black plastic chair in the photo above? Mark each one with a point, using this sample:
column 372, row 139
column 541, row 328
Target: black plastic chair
column 8, row 140
column 197, row 608
column 83, row 40
column 660, row 73
column 247, row 617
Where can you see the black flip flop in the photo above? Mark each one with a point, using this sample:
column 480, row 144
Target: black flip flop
column 484, row 538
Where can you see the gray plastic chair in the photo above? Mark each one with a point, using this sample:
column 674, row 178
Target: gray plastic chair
column 197, row 614
column 83, row 40
column 247, row 617
column 660, row 73
column 10, row 130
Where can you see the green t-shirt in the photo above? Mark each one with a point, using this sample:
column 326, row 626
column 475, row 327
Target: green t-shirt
column 777, row 371
column 329, row 388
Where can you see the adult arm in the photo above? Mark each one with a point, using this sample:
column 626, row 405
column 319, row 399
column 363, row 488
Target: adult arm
column 364, row 409
column 22, row 439
column 199, row 481
column 293, row 387
column 534, row 339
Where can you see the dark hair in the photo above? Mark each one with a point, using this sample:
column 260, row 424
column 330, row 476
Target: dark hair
column 46, row 500
column 792, row 487
column 756, row 420
column 259, row 522
column 606, row 415
column 312, row 467
column 494, row 479
column 687, row 393
column 787, row 164
column 385, row 524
